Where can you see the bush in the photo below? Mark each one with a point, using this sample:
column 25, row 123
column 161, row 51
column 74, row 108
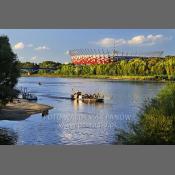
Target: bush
column 171, row 77
column 43, row 71
column 7, row 94
column 156, row 121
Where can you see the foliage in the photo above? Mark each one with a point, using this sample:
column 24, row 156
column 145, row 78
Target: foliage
column 28, row 65
column 160, row 68
column 9, row 71
column 156, row 121
column 49, row 64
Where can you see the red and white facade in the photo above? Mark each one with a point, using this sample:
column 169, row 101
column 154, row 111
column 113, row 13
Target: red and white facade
column 80, row 57
column 91, row 59
column 94, row 56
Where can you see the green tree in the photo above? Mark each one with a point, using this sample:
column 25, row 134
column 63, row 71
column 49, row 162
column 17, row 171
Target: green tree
column 9, row 71
column 170, row 66
column 49, row 64
column 28, row 65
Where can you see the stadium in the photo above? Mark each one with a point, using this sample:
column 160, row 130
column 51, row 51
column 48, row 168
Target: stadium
column 105, row 56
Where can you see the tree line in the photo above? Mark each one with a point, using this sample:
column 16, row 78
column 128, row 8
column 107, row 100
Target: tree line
column 158, row 67
column 44, row 64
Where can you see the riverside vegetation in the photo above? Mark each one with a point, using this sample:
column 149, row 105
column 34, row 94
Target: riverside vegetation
column 137, row 68
column 156, row 121
column 9, row 71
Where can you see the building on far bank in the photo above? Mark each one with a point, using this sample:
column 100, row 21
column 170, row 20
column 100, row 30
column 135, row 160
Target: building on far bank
column 102, row 56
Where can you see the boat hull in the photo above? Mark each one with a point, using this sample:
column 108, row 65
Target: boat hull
column 88, row 100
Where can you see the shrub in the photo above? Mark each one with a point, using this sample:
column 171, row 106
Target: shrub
column 156, row 121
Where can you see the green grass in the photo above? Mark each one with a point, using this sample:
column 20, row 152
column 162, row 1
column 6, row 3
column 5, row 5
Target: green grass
column 112, row 77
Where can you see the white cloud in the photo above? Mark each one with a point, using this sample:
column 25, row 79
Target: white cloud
column 147, row 40
column 109, row 42
column 19, row 46
column 119, row 42
column 153, row 39
column 139, row 40
column 39, row 48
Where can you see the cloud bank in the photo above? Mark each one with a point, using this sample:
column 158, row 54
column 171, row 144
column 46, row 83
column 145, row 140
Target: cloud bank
column 21, row 46
column 139, row 40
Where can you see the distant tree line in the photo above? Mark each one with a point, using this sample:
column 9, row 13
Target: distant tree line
column 44, row 64
column 160, row 67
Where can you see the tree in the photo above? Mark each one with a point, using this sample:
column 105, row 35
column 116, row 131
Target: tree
column 49, row 64
column 28, row 65
column 9, row 71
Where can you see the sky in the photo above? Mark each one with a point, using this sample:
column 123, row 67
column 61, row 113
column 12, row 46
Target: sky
column 37, row 45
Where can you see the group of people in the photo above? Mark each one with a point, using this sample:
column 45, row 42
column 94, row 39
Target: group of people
column 79, row 95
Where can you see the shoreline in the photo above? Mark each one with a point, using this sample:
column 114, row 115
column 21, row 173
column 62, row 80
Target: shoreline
column 22, row 109
column 103, row 77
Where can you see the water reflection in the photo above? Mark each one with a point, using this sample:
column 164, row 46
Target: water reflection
column 7, row 137
column 45, row 113
column 78, row 104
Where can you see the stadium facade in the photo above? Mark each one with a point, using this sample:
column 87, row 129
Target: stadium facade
column 104, row 56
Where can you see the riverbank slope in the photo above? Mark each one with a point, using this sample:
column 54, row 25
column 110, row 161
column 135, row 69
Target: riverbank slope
column 107, row 77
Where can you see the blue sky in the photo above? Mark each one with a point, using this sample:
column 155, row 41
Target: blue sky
column 37, row 45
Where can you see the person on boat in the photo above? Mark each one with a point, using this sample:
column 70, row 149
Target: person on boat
column 80, row 97
column 75, row 96
column 95, row 96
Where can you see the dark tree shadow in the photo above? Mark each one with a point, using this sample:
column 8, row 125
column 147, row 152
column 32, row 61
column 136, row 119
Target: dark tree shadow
column 7, row 137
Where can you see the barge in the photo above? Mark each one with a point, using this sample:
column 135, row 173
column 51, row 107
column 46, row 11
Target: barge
column 87, row 98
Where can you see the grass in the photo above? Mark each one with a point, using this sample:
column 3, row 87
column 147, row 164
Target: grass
column 111, row 77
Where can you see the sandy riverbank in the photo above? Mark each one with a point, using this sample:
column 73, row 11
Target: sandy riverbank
column 22, row 109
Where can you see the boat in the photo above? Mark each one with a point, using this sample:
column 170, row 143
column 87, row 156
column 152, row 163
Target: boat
column 87, row 98
column 24, row 94
column 28, row 96
column 31, row 97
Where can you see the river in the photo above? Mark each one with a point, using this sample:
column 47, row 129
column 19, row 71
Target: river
column 75, row 123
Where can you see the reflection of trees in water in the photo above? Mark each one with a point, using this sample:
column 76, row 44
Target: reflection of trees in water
column 7, row 137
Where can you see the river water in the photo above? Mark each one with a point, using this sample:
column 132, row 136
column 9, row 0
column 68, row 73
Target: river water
column 75, row 123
